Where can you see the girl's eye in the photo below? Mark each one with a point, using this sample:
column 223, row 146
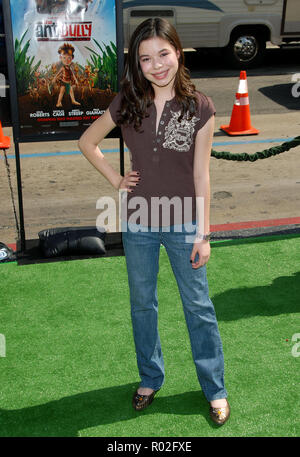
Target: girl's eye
column 164, row 54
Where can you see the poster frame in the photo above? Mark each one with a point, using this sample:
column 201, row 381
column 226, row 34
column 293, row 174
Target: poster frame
column 55, row 136
column 19, row 137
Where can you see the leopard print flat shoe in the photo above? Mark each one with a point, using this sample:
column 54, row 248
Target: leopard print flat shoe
column 140, row 402
column 220, row 415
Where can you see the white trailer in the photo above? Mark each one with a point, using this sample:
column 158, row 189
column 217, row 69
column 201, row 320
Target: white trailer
column 240, row 28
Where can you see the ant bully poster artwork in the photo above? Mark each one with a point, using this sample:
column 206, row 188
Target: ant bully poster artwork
column 65, row 59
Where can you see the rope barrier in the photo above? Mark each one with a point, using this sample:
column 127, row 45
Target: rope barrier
column 244, row 156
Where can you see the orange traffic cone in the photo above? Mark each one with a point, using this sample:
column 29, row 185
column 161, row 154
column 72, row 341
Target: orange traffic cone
column 4, row 140
column 240, row 123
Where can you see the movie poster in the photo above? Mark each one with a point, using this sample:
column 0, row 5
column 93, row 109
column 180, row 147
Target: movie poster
column 65, row 57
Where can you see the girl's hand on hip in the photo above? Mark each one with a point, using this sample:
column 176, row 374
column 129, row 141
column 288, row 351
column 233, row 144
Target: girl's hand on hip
column 130, row 179
column 202, row 248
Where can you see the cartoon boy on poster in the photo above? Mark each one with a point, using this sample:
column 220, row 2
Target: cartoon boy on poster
column 65, row 76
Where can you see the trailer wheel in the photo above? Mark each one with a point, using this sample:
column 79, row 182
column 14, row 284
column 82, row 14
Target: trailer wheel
column 246, row 49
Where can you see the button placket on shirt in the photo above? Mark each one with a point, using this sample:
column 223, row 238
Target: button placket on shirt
column 158, row 136
column 157, row 140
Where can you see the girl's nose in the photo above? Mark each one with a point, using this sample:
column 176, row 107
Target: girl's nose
column 157, row 63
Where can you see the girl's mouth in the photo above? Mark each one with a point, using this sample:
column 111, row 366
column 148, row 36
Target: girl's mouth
column 161, row 75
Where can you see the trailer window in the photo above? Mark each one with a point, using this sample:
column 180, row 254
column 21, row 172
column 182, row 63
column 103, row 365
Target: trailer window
column 152, row 13
column 260, row 2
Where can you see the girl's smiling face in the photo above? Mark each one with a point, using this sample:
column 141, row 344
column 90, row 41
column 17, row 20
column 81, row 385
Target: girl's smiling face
column 158, row 61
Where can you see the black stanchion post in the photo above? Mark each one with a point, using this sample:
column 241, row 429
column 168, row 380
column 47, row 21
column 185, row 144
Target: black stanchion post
column 20, row 198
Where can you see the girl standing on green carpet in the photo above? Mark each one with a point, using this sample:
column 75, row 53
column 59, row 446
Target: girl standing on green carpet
column 168, row 127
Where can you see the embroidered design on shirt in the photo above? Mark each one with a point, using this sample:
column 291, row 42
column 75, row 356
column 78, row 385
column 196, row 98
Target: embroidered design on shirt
column 179, row 135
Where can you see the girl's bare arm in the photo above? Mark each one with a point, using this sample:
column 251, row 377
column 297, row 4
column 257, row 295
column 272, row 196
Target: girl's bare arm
column 88, row 145
column 202, row 190
column 203, row 147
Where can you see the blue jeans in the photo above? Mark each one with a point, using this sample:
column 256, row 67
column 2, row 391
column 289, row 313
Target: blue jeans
column 142, row 250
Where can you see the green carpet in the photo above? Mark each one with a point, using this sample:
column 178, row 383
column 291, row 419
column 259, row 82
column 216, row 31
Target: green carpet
column 70, row 368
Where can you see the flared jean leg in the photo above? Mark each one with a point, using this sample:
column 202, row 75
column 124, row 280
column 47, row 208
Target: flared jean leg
column 142, row 260
column 200, row 316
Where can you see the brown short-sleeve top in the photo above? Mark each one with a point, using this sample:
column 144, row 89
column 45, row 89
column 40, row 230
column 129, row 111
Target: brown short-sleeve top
column 164, row 159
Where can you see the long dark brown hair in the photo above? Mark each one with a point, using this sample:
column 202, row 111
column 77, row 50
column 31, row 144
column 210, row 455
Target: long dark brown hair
column 137, row 91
